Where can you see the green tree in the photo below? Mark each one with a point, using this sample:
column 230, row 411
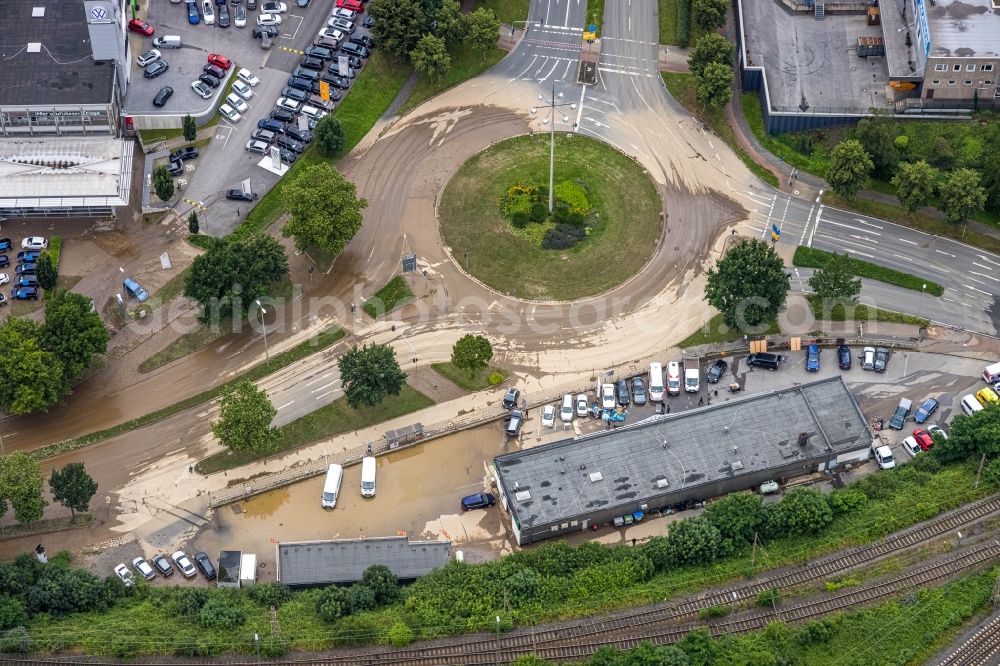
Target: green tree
column 448, row 23
column 915, row 183
column 21, row 483
column 245, row 416
column 369, row 374
column 233, row 273
column 12, row 613
column 849, row 168
column 400, row 634
column 269, row 595
column 693, row 541
column 941, row 154
column 331, row 602
column 699, row 647
column 878, row 136
column 482, row 30
column 47, row 273
column 748, row 285
column 835, row 282
column 73, row 332
column 711, row 47
column 222, row 613
column 971, row 436
column 330, row 138
column 430, row 57
column 163, row 183
column 190, row 129
column 715, row 85
column 710, row 14
column 325, row 210
column 529, row 660
column 72, row 487
column 806, row 511
column 472, row 353
column 398, row 25
column 736, row 516
column 961, row 194
column 193, row 226
column 33, row 378
column 380, row 579
column 991, row 168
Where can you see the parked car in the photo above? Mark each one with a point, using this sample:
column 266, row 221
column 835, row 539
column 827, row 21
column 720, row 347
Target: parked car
column 271, row 125
column 638, row 391
column 621, row 393
column 897, row 420
column 302, row 85
column 26, row 268
column 607, row 396
column 208, row 12
column 911, row 446
column 366, row 41
column 478, row 501
column 4, row 279
column 289, row 104
column 140, row 28
column 937, row 431
column 265, row 30
column 223, row 16
column 183, row 563
column 303, row 136
column 25, row 281
column 366, row 22
column 165, row 93
column 269, row 19
column 331, row 33
column 340, row 12
column 135, row 290
column 566, row 410
column 881, row 359
column 24, row 294
column 511, row 398
column 4, row 261
column 6, row 244
column 124, row 575
column 341, row 82
column 844, row 357
column 235, row 101
column 582, row 405
column 175, row 167
column 142, row 566
column 3, row 300
column 716, row 370
column 353, row 5
column 868, row 358
column 924, row 438
column 204, row 563
column 549, row 416
column 27, row 255
column 213, row 70
column 320, row 52
column 156, row 69
column 194, row 17
column 201, row 90
column 514, row 423
column 258, row 146
column 240, row 195
column 288, row 156
column 271, row 7
column 309, row 62
column 220, row 61
column 929, row 407
column 209, row 80
column 883, row 456
column 812, row 358
column 230, row 113
column 247, row 77
column 162, row 565
column 148, row 58
column 345, row 26
column 267, row 136
column 242, row 89
column 184, row 153
column 240, row 16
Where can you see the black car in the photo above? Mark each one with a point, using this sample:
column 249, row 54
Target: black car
column 161, row 98
column 27, row 281
column 283, row 115
column 312, row 63
column 716, row 370
column 881, row 359
column 337, row 81
column 622, row 393
column 359, row 50
column 24, row 294
column 26, row 268
column 163, row 565
column 27, row 255
column 157, row 68
column 288, row 156
column 305, row 136
column 478, row 501
column 513, row 423
column 638, row 391
column 240, row 195
column 185, row 153
column 271, row 124
column 204, row 563
column 209, row 80
column 511, row 398
column 844, row 357
column 301, row 84
column 367, row 21
column 289, row 144
column 5, row 244
column 175, row 168
column 3, row 300
column 320, row 52
column 251, row 4
column 295, row 93
column 355, row 61
column 223, row 16
column 364, row 40
column 261, row 30
column 304, row 73
column 4, row 261
column 214, row 70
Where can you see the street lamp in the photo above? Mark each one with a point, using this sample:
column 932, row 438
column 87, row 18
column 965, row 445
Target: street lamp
column 263, row 328
column 497, row 651
column 552, row 135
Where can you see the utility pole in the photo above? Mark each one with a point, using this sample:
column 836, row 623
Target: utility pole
column 263, row 328
column 982, row 461
column 550, row 119
column 753, row 554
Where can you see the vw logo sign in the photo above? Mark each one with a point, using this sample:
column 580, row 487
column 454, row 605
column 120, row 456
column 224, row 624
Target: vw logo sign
column 100, row 15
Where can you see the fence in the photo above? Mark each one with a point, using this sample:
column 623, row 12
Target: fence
column 285, row 477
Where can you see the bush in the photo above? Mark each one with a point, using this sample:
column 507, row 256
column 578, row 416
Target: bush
column 400, row 634
column 221, row 613
column 519, row 219
column 539, row 212
column 382, row 582
column 806, row 511
column 16, row 640
column 683, row 23
column 562, row 236
column 12, row 613
column 768, row 598
column 713, row 611
column 360, row 598
column 269, row 594
column 495, row 378
column 847, row 500
column 332, row 604
column 813, row 258
column 191, row 600
column 273, row 647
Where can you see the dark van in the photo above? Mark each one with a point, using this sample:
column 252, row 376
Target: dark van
column 765, row 360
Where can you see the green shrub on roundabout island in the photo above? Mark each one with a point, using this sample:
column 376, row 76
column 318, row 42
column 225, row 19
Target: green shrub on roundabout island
column 525, row 207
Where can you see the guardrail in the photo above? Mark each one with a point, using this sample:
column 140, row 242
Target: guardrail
column 309, row 469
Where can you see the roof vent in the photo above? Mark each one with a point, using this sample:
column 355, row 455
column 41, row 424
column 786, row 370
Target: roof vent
column 595, row 477
column 662, row 482
column 736, row 466
column 34, row 47
column 37, row 12
column 522, row 496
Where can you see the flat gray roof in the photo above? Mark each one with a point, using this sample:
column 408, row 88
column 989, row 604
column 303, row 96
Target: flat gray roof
column 63, row 70
column 964, row 28
column 626, row 466
column 345, row 560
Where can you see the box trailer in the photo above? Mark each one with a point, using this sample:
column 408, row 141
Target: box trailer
column 229, row 568
column 248, row 570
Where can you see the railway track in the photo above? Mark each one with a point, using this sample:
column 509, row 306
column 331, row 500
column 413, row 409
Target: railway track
column 980, row 649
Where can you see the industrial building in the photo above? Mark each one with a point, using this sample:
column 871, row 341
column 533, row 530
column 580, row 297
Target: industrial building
column 623, row 475
column 317, row 563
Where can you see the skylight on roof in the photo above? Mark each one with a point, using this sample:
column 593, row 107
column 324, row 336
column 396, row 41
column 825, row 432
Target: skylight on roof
column 34, row 47
column 37, row 12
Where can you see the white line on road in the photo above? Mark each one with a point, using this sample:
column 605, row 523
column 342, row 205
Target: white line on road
column 618, row 71
column 987, row 260
column 530, row 65
column 579, row 107
column 554, row 65
column 851, row 227
column 909, row 241
column 320, row 388
column 969, row 286
column 322, row 395
column 285, row 405
column 988, row 277
column 860, row 221
column 943, row 252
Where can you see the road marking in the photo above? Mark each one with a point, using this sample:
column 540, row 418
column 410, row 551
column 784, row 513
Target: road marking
column 579, row 107
column 975, row 280
column 290, row 50
column 987, row 260
column 554, row 65
column 909, row 241
column 988, row 277
column 860, row 221
column 969, row 286
column 841, row 224
column 619, row 71
column 320, row 388
column 322, row 395
column 819, row 214
column 943, row 252
column 530, row 65
column 284, row 405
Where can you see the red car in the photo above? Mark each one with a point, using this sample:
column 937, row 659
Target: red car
column 924, row 439
column 140, row 28
column 353, row 5
column 219, row 61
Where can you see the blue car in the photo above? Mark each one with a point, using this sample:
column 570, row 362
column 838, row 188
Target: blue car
column 925, row 411
column 812, row 358
column 194, row 18
column 135, row 290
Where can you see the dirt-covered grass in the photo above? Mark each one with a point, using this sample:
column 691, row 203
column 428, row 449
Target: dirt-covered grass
column 716, row 331
column 470, row 382
column 395, row 294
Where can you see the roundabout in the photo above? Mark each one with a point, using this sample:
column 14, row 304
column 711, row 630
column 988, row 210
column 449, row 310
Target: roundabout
column 606, row 226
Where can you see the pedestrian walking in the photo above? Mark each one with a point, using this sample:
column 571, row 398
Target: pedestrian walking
column 353, row 308
column 668, row 408
column 701, row 401
column 190, row 469
column 633, row 541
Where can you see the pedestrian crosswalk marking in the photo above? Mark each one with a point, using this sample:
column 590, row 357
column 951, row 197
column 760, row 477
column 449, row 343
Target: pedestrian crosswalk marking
column 285, row 48
column 196, row 204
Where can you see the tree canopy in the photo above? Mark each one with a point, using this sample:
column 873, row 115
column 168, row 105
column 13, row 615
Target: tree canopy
column 325, row 210
column 715, row 85
column 330, row 138
column 961, row 194
column 472, row 353
column 482, row 30
column 711, row 47
column 73, row 332
column 398, row 25
column 72, row 487
column 245, row 416
column 33, row 377
column 836, row 282
column 915, row 183
column 21, row 484
column 430, row 57
column 748, row 285
column 971, row 435
column 163, row 183
column 234, row 272
column 369, row 374
column 710, row 14
column 849, row 168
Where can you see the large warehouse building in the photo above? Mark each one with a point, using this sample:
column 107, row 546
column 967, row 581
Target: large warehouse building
column 631, row 472
column 315, row 563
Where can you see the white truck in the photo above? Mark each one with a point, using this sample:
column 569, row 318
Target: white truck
column 248, row 570
column 882, row 453
column 692, row 375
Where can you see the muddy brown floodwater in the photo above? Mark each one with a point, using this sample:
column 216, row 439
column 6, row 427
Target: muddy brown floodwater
column 418, row 493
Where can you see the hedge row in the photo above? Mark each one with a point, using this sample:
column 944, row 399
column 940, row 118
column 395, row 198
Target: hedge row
column 810, row 257
column 683, row 23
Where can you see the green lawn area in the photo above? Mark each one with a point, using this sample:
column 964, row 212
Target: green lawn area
column 716, row 331
column 861, row 313
column 595, row 14
column 334, row 419
column 394, row 294
column 462, row 378
column 682, row 88
column 625, row 223
column 668, row 21
column 812, row 258
column 507, row 11
column 465, row 64
column 152, row 136
column 184, row 345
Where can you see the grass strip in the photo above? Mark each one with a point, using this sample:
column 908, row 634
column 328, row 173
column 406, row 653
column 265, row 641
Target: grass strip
column 394, row 294
column 668, row 21
column 461, row 378
column 508, row 11
column 55, row 249
column 334, row 419
column 184, row 345
column 320, row 341
column 466, row 63
column 684, row 89
column 810, row 257
column 715, row 331
column 861, row 312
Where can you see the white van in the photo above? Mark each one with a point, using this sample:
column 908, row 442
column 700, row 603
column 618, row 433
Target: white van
column 971, row 405
column 312, row 112
column 167, row 42
column 673, row 378
column 331, row 487
column 566, row 412
column 655, row 382
column 991, row 373
column 368, row 476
